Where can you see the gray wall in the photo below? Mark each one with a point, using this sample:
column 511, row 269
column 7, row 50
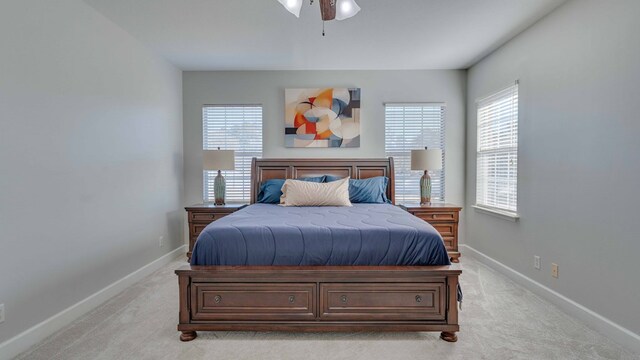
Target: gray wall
column 579, row 154
column 90, row 157
column 378, row 87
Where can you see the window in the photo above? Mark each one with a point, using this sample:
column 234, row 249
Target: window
column 232, row 127
column 497, row 153
column 409, row 127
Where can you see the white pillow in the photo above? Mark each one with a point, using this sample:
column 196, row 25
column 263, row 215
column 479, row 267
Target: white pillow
column 306, row 193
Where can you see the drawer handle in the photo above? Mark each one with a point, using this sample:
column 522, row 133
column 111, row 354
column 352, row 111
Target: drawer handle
column 418, row 298
column 217, row 299
column 292, row 299
column 343, row 298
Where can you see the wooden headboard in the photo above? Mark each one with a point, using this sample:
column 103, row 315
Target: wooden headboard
column 265, row 169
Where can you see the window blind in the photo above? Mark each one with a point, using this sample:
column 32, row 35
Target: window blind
column 409, row 127
column 497, row 150
column 232, row 127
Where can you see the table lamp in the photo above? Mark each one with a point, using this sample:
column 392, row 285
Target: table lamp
column 427, row 159
column 218, row 160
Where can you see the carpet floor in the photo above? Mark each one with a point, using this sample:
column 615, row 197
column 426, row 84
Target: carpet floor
column 499, row 320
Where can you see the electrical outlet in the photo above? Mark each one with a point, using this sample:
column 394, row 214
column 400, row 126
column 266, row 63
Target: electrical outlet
column 1, row 313
column 536, row 262
column 554, row 270
column 160, row 241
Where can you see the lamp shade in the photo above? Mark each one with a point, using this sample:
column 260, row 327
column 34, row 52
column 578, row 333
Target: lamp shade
column 218, row 160
column 293, row 6
column 346, row 9
column 426, row 159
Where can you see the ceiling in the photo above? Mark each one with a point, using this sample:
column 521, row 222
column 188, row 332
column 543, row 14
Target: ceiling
column 262, row 35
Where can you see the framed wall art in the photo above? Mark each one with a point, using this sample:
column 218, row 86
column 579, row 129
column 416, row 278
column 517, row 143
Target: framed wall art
column 322, row 117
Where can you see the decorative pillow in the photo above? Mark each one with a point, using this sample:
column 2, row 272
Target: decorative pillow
column 372, row 190
column 331, row 178
column 270, row 190
column 304, row 193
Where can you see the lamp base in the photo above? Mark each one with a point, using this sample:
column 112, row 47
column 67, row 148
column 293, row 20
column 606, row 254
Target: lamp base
column 425, row 189
column 219, row 189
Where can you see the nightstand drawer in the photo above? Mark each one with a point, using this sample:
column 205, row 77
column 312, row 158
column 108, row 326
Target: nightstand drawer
column 449, row 242
column 196, row 229
column 205, row 216
column 445, row 229
column 437, row 216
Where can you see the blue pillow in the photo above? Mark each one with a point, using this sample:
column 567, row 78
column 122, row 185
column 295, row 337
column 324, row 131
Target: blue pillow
column 372, row 190
column 270, row 190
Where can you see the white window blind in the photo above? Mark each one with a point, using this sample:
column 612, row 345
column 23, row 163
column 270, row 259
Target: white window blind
column 232, row 127
column 409, row 127
column 497, row 153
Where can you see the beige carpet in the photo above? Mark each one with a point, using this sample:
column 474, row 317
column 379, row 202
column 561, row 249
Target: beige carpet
column 499, row 320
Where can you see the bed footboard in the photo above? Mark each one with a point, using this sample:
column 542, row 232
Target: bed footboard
column 318, row 298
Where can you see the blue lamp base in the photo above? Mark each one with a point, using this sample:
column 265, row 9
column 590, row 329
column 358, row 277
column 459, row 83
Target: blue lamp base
column 425, row 188
column 219, row 189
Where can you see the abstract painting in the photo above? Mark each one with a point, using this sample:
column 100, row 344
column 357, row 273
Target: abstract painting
column 326, row 117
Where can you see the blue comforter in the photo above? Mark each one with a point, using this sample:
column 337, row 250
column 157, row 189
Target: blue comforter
column 365, row 234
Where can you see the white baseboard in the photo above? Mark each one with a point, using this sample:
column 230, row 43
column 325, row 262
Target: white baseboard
column 26, row 339
column 608, row 328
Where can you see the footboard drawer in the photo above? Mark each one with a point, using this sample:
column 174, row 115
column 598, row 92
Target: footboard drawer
column 248, row 301
column 383, row 301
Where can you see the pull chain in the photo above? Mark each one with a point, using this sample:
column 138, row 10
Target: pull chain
column 323, row 28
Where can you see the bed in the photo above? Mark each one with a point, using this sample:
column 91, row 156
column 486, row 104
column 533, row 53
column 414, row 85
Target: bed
column 370, row 267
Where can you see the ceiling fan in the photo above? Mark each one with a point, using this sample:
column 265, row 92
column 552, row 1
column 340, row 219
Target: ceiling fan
column 329, row 9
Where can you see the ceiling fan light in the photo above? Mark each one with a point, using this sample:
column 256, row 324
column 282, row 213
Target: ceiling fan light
column 346, row 9
column 293, row 6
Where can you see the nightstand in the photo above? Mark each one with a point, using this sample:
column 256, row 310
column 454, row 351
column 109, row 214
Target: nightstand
column 444, row 218
column 202, row 215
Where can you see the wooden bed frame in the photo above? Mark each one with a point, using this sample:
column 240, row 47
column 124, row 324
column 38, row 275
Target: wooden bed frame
column 319, row 298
